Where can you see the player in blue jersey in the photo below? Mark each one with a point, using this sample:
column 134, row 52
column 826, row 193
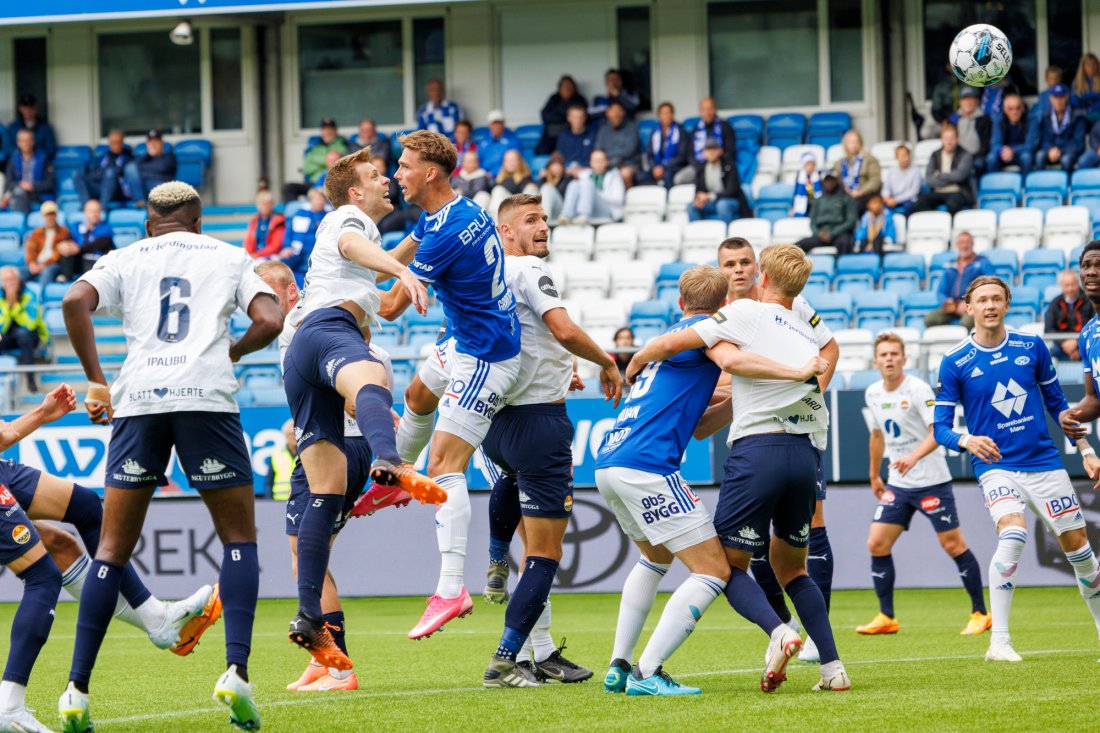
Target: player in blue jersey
column 638, row 474
column 458, row 252
column 1003, row 379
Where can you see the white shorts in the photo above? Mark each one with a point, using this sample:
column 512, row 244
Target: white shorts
column 662, row 510
column 1048, row 493
column 436, row 371
column 474, row 394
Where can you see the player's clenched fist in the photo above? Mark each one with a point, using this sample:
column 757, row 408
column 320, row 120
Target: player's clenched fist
column 98, row 403
column 814, row 367
column 61, row 401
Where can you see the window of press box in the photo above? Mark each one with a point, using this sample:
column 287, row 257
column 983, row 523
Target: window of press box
column 225, row 74
column 429, row 49
column 147, row 82
column 634, row 54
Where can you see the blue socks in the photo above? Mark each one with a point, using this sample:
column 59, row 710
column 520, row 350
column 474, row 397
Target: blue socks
column 971, row 574
column 31, row 626
column 764, row 575
column 85, row 512
column 372, row 414
column 97, row 608
column 314, row 538
column 527, row 604
column 819, row 564
column 335, row 623
column 882, row 574
column 239, row 588
column 504, row 517
column 810, row 604
column 749, row 600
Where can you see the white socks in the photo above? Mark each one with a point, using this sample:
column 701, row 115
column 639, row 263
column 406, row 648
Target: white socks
column 686, row 606
column 413, row 433
column 12, row 695
column 1088, row 579
column 1002, row 571
column 452, row 523
column 639, row 593
column 72, row 580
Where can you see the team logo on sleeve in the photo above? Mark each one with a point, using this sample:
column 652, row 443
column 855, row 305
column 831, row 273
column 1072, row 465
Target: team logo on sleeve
column 21, row 534
column 547, row 286
column 354, row 223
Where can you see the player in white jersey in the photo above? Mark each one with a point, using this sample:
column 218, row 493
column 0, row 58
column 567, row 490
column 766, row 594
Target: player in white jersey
column 737, row 260
column 175, row 292
column 900, row 416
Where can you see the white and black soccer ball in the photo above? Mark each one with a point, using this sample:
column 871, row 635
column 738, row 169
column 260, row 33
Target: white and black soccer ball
column 980, row 55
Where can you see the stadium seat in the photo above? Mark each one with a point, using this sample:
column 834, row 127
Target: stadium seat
column 1000, row 191
column 833, row 153
column 1041, row 267
column 1050, row 294
column 827, row 128
column 835, row 309
column 1092, row 203
column 901, row 232
column 668, row 279
column 885, row 153
column 824, row 271
column 861, row 380
column 587, row 279
column 54, row 292
column 916, row 305
column 769, row 160
column 650, row 313
column 1020, row 229
column 601, row 318
column 645, row 204
column 529, row 136
column 902, row 273
column 923, row 152
column 701, row 239
column 193, row 158
column 856, row 273
column 749, row 130
column 928, row 232
column 659, row 242
column 758, row 232
column 855, row 349
column 792, row 161
column 1066, row 227
column 572, row 242
column 1044, row 189
column 35, row 220
column 911, row 337
column 645, row 130
column 11, row 229
column 876, row 309
column 1006, row 263
column 982, row 225
column 680, row 197
column 632, row 281
column 426, row 325
column 128, row 226
column 789, row 230
column 1084, row 182
column 774, row 201
column 786, row 129
column 615, row 243
column 1024, row 307
column 937, row 341
column 1070, row 372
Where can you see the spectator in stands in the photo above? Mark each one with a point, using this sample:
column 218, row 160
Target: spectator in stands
column 280, row 465
column 901, row 184
column 555, row 114
column 666, row 152
column 553, row 181
column 957, row 276
column 576, row 142
column 157, row 166
column 404, row 215
column 710, row 125
column 597, row 194
column 1052, row 78
column 973, row 127
column 473, row 181
column 718, row 193
column 618, row 139
column 993, row 97
column 464, row 141
column 500, row 141
column 330, row 160
column 28, row 119
column 1067, row 314
column 1086, row 88
column 514, row 177
column 1010, row 143
column 380, row 145
column 1061, row 133
column 30, row 177
column 614, row 92
column 876, row 227
column 21, row 321
column 45, row 247
column 947, row 175
column 266, row 229
column 858, row 171
column 303, row 234
column 807, row 186
column 313, row 164
column 832, row 218
column 94, row 238
column 624, row 348
column 102, row 179
column 438, row 114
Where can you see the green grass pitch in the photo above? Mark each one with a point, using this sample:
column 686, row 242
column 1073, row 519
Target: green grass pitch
column 927, row 677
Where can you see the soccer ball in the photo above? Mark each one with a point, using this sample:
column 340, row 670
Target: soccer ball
column 980, row 55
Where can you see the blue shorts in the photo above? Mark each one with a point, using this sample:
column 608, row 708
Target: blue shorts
column 326, row 340
column 17, row 532
column 534, row 443
column 822, row 488
column 210, row 447
column 897, row 506
column 20, row 480
column 769, row 480
column 359, row 460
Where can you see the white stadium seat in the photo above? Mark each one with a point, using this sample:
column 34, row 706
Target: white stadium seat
column 885, row 153
column 1020, row 229
column 923, row 152
column 928, row 233
column 792, row 160
column 602, row 317
column 791, row 229
column 937, row 341
column 587, row 279
column 571, row 243
column 701, row 240
column 982, row 225
column 911, row 337
column 633, row 281
column 659, row 242
column 1066, row 227
column 645, row 204
column 855, row 349
column 615, row 243
column 679, row 198
column 757, row 231
column 833, row 154
column 901, row 229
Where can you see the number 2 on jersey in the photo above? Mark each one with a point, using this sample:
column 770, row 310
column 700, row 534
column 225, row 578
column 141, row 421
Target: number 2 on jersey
column 175, row 315
column 495, row 256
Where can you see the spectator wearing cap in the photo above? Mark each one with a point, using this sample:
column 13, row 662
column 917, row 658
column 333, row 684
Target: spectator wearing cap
column 157, row 166
column 710, row 125
column 1012, row 138
column 718, row 193
column 380, row 145
column 666, row 152
column 901, row 184
column 313, row 164
column 947, row 175
column 858, row 171
column 28, row 118
column 807, row 186
column 975, row 128
column 102, row 179
column 266, row 229
column 832, row 219
column 618, row 139
column 1061, row 133
column 576, row 143
column 94, row 238
column 45, row 247
column 1052, row 77
column 438, row 114
column 555, row 113
column 30, row 177
column 613, row 92
column 492, row 149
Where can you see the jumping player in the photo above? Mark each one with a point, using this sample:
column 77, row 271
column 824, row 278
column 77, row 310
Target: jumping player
column 901, row 408
column 1003, row 379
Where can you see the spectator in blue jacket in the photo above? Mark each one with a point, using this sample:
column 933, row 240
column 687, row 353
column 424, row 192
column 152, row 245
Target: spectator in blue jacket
column 1013, row 138
column 1091, row 156
column 303, row 234
column 614, row 92
column 491, row 150
column 576, row 142
column 1051, row 78
column 1061, row 133
column 30, row 178
column 876, row 227
column 438, row 114
column 957, row 276
column 157, row 166
column 94, row 237
column 102, row 179
column 666, row 152
column 555, row 114
column 1086, row 88
column 28, row 118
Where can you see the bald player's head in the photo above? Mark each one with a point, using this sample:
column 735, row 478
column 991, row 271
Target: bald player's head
column 173, row 206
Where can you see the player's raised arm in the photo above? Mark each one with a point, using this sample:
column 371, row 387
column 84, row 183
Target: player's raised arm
column 363, row 251
column 58, row 403
column 663, row 348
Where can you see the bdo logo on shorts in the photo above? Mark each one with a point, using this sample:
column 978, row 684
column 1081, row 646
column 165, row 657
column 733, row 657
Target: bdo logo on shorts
column 930, row 503
column 21, row 534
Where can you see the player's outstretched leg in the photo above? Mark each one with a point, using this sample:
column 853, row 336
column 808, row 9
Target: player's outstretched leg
column 1011, row 541
column 504, row 517
column 639, row 593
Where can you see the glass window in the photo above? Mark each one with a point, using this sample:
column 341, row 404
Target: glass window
column 846, row 50
column 744, row 68
column 225, row 72
column 30, row 72
column 634, row 54
column 429, row 48
column 943, row 19
column 147, row 82
column 1064, row 36
column 350, row 71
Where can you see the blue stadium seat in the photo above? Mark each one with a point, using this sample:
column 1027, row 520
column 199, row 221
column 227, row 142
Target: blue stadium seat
column 1050, row 294
column 537, row 164
column 128, row 226
column 835, row 309
column 1024, row 307
column 54, row 292
column 1041, row 267
column 481, row 134
column 54, row 318
column 856, row 272
column 999, row 191
column 428, row 324
column 876, row 309
column 11, row 229
column 268, row 396
column 1045, row 189
column 35, row 220
column 649, row 313
column 1084, row 182
column 915, row 305
column 386, row 338
column 690, row 123
column 1005, row 263
column 257, row 377
column 1070, row 372
column 749, row 130
column 786, row 129
column 827, row 128
column 645, row 129
column 392, row 239
column 935, row 267
column 193, row 158
column 863, row 379
column 1074, row 259
column 902, row 273
column 238, row 323
column 529, row 136
column 774, row 201
column 1092, row 203
column 668, row 279
column 13, row 257
column 824, row 271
